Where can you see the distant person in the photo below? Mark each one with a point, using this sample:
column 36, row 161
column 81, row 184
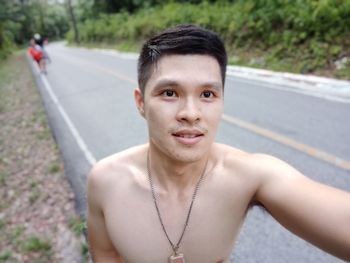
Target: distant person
column 39, row 40
column 183, row 197
column 46, row 41
column 36, row 52
column 42, row 42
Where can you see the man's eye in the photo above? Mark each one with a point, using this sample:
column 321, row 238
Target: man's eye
column 169, row 93
column 207, row 94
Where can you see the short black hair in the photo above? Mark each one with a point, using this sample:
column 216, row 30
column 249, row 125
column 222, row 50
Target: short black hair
column 180, row 40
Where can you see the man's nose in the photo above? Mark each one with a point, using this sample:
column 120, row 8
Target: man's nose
column 189, row 111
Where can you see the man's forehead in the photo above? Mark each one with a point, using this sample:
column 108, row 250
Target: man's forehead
column 172, row 68
column 168, row 58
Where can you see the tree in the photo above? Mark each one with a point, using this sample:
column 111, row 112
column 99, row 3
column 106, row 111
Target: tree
column 20, row 19
column 74, row 21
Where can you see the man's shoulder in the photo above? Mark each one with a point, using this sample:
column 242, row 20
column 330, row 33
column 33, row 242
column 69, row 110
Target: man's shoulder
column 119, row 165
column 255, row 171
column 248, row 163
column 232, row 156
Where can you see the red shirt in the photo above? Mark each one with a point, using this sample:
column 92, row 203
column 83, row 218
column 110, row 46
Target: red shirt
column 36, row 54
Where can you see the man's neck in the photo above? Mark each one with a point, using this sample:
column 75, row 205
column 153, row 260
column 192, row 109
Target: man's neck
column 173, row 175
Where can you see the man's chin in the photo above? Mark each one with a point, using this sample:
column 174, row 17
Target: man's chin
column 183, row 153
column 188, row 155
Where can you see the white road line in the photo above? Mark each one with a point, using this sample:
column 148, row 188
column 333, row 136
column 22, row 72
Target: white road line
column 304, row 148
column 82, row 145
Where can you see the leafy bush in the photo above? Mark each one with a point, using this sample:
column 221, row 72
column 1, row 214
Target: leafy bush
column 315, row 31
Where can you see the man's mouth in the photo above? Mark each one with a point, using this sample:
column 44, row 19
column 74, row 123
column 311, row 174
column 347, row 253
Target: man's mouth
column 188, row 137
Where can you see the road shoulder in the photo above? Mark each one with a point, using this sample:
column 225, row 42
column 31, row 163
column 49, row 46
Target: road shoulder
column 38, row 222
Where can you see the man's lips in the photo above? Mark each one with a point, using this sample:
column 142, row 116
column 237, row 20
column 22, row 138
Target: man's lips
column 188, row 133
column 188, row 137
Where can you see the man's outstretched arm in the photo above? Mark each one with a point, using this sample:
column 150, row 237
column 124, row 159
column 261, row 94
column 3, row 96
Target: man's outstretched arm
column 100, row 245
column 316, row 212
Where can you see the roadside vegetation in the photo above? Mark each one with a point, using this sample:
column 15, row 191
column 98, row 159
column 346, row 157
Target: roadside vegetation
column 38, row 222
column 308, row 37
column 301, row 36
column 20, row 20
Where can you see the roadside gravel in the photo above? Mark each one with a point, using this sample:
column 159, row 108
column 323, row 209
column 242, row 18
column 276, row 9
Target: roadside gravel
column 38, row 222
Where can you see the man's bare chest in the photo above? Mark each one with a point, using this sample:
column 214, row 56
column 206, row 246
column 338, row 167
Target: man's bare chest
column 135, row 229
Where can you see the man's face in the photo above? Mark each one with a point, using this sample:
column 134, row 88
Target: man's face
column 183, row 104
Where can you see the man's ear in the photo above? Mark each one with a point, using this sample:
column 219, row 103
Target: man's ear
column 138, row 96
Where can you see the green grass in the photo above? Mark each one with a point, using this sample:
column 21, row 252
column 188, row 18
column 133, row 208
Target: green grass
column 44, row 134
column 78, row 225
column 34, row 196
column 33, row 185
column 84, row 252
column 39, row 117
column 15, row 236
column 6, row 255
column 35, row 244
column 3, row 177
column 34, row 192
column 2, row 224
column 5, row 76
column 54, row 167
column 343, row 73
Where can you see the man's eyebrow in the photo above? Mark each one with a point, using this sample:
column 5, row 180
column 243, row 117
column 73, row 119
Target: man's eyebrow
column 173, row 83
column 165, row 83
column 214, row 84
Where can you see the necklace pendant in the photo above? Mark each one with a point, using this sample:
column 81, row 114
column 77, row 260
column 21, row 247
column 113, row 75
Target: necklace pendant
column 177, row 258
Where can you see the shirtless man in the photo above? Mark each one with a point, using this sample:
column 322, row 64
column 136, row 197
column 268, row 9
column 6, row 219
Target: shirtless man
column 182, row 196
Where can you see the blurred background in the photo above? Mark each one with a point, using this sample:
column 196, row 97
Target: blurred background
column 299, row 36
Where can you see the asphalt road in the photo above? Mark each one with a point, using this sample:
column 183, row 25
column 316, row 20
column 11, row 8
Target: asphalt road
column 88, row 96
